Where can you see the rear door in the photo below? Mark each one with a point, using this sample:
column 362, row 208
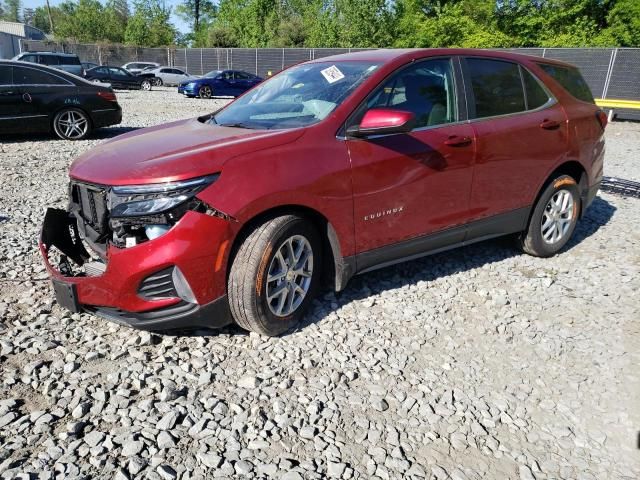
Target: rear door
column 409, row 186
column 521, row 133
column 11, row 117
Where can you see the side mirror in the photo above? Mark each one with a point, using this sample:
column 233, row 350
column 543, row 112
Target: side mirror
column 383, row 121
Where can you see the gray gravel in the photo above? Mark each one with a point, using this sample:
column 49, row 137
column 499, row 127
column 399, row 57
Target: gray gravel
column 478, row 363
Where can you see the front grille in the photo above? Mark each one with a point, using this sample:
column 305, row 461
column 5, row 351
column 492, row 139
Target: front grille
column 91, row 202
column 158, row 286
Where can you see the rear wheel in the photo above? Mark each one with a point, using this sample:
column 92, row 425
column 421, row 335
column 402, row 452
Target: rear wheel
column 205, row 91
column 554, row 218
column 274, row 275
column 157, row 82
column 146, row 85
column 71, row 124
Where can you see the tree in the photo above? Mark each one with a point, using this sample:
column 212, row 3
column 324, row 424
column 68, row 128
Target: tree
column 149, row 26
column 198, row 14
column 12, row 10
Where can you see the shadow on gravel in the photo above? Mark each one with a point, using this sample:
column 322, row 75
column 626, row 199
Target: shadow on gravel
column 598, row 214
column 110, row 132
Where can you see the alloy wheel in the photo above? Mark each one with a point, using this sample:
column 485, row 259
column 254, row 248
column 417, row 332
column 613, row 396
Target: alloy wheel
column 72, row 124
column 205, row 91
column 289, row 276
column 557, row 217
column 146, row 85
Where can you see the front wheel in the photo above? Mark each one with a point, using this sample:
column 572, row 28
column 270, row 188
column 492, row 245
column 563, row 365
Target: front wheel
column 71, row 124
column 554, row 218
column 274, row 275
column 146, row 85
column 205, row 91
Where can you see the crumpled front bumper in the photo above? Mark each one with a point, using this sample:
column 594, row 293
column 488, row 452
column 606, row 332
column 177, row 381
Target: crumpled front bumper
column 197, row 245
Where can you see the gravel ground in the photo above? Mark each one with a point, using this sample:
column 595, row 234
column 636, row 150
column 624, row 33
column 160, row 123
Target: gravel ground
column 478, row 363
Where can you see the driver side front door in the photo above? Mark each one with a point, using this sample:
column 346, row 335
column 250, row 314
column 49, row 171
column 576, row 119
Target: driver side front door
column 412, row 190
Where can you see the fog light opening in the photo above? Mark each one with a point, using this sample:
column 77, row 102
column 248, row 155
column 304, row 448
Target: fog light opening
column 182, row 286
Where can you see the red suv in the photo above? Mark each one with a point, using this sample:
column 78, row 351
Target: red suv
column 332, row 168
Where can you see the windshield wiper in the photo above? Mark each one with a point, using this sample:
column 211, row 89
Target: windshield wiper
column 236, row 125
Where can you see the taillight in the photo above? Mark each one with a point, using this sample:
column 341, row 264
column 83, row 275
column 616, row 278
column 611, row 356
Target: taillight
column 602, row 118
column 110, row 96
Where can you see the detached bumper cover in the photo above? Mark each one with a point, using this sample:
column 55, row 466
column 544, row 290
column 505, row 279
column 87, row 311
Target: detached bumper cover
column 196, row 245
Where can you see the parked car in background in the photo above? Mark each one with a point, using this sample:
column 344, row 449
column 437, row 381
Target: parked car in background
column 365, row 160
column 170, row 75
column 35, row 98
column 68, row 62
column 89, row 65
column 137, row 67
column 219, row 83
column 121, row 78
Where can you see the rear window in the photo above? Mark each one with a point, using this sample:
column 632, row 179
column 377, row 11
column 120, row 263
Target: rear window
column 69, row 61
column 30, row 76
column 571, row 80
column 496, row 86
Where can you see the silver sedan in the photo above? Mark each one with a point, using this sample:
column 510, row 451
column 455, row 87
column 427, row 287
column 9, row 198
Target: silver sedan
column 169, row 75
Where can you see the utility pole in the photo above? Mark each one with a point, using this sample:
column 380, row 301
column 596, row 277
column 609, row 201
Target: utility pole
column 50, row 19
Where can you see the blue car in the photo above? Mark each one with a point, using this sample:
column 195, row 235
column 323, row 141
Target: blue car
column 219, row 83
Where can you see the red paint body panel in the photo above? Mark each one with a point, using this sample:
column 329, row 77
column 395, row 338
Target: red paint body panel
column 193, row 245
column 374, row 192
column 426, row 181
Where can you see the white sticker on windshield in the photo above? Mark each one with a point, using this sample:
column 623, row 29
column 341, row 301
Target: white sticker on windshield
column 332, row 74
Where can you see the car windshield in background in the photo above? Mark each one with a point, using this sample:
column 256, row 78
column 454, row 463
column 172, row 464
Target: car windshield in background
column 297, row 97
column 212, row 73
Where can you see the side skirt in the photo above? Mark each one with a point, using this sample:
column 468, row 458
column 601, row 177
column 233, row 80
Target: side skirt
column 477, row 231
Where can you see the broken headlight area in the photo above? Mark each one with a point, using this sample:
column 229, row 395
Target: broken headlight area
column 139, row 213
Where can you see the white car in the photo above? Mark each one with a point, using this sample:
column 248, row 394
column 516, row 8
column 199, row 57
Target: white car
column 137, row 67
column 170, row 75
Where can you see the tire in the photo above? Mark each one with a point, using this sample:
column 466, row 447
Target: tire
column 205, row 91
column 264, row 254
column 146, row 85
column 71, row 124
column 554, row 218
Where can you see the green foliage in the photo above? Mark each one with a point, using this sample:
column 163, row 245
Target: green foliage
column 149, row 25
column 11, row 10
column 348, row 23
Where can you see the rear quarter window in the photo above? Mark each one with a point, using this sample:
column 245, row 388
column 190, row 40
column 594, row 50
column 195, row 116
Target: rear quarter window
column 571, row 80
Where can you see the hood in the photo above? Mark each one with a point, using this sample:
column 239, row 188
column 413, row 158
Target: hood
column 171, row 152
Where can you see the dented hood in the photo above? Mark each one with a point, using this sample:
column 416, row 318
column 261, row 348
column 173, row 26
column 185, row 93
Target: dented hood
column 170, row 152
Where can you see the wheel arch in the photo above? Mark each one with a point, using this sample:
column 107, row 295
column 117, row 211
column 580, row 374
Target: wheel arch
column 575, row 170
column 337, row 269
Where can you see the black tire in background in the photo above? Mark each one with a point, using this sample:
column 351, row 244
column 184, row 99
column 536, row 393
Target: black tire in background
column 250, row 282
column 554, row 218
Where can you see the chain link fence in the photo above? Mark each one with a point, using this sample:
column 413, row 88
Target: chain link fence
column 612, row 73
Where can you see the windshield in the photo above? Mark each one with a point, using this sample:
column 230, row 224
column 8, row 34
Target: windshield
column 213, row 73
column 300, row 96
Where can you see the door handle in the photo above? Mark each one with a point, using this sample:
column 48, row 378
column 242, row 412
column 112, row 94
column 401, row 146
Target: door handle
column 457, row 141
column 550, row 125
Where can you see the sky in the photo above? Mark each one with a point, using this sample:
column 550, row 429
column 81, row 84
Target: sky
column 179, row 24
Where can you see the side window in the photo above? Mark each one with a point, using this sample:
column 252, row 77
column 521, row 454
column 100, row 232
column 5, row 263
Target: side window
column 571, row 80
column 30, row 76
column 30, row 58
column 5, row 75
column 496, row 87
column 242, row 76
column 102, row 71
column 227, row 76
column 426, row 89
column 536, row 95
column 49, row 60
column 178, row 72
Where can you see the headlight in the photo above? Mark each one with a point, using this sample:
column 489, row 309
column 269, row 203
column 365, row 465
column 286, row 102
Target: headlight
column 156, row 198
